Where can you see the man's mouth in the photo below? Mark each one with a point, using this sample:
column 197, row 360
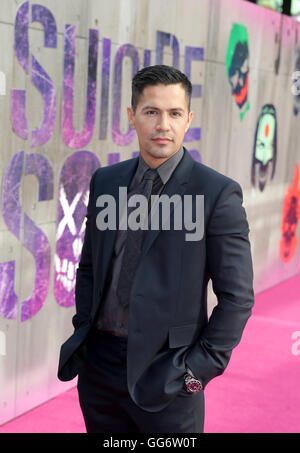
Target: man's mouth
column 162, row 140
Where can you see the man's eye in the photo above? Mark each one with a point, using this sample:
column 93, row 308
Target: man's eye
column 176, row 114
column 151, row 112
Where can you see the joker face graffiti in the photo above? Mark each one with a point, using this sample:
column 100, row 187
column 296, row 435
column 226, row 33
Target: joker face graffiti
column 237, row 66
column 296, row 87
column 290, row 217
column 265, row 145
column 72, row 203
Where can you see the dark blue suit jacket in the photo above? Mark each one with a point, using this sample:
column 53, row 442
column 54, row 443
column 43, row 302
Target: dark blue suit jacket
column 169, row 328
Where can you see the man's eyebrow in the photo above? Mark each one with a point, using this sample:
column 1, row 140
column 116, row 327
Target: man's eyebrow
column 156, row 108
column 150, row 107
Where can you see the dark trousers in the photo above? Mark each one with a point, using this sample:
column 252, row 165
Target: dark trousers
column 106, row 403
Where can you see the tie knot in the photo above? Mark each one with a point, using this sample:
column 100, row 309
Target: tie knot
column 150, row 174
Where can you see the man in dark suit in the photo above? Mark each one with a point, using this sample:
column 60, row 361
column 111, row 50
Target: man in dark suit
column 143, row 346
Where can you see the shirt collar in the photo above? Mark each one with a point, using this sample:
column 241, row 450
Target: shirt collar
column 165, row 170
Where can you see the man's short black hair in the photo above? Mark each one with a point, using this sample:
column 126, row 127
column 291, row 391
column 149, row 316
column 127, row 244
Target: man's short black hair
column 158, row 74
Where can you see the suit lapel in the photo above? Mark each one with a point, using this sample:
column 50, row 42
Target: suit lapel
column 121, row 177
column 176, row 185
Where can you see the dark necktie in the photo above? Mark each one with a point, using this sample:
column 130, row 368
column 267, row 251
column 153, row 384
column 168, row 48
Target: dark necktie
column 134, row 240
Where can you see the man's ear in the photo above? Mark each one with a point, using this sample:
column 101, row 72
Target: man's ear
column 190, row 117
column 131, row 119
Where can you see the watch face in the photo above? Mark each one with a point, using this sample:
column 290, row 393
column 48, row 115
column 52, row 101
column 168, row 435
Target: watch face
column 194, row 386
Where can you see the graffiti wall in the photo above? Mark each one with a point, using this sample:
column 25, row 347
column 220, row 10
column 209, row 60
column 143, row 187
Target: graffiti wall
column 65, row 72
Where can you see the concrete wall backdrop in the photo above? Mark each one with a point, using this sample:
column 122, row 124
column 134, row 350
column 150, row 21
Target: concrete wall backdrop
column 65, row 72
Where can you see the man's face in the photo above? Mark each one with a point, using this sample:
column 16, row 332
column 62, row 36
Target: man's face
column 161, row 120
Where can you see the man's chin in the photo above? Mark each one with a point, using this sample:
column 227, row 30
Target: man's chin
column 161, row 152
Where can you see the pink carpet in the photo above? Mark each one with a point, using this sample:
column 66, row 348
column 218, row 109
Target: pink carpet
column 258, row 393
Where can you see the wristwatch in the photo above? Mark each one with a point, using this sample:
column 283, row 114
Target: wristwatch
column 193, row 385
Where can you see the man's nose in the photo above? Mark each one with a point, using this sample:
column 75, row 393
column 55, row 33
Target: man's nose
column 163, row 123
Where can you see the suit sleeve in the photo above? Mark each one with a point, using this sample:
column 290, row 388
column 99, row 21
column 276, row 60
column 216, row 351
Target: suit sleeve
column 84, row 274
column 229, row 265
